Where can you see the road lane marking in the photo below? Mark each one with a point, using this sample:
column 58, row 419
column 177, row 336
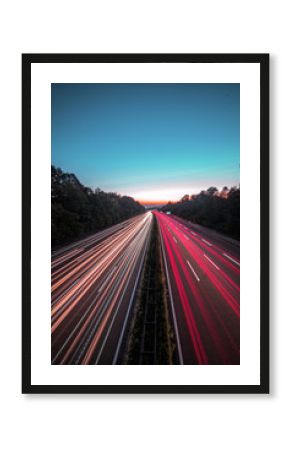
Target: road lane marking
column 192, row 232
column 192, row 270
column 186, row 237
column 107, row 279
column 231, row 259
column 175, row 240
column 179, row 350
column 121, row 337
column 211, row 262
column 135, row 255
column 206, row 242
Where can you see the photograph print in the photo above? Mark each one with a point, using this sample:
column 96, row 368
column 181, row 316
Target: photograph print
column 145, row 224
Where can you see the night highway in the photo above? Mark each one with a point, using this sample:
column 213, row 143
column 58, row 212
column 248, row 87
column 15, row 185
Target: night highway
column 94, row 282
column 203, row 278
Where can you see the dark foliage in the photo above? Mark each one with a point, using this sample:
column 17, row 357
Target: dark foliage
column 77, row 211
column 220, row 211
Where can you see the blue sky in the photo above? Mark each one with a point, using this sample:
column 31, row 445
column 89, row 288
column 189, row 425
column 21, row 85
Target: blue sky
column 155, row 142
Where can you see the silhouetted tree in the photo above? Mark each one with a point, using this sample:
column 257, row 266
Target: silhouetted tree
column 211, row 190
column 77, row 210
column 210, row 208
column 185, row 198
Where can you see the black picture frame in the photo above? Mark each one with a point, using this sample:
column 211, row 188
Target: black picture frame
column 27, row 61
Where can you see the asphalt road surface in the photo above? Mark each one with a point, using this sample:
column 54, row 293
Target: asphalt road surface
column 203, row 278
column 93, row 285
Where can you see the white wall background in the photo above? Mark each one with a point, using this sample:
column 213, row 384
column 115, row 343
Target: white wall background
column 204, row 422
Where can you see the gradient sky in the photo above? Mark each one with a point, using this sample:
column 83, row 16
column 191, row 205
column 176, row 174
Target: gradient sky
column 154, row 142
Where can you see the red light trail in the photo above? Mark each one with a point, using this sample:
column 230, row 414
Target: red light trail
column 203, row 271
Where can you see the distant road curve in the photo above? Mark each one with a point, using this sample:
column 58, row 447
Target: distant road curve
column 203, row 279
column 93, row 286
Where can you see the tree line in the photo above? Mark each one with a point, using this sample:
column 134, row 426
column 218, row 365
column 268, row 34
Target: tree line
column 77, row 210
column 211, row 208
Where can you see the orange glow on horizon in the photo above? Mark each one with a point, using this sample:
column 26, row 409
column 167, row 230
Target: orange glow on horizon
column 152, row 202
column 161, row 196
